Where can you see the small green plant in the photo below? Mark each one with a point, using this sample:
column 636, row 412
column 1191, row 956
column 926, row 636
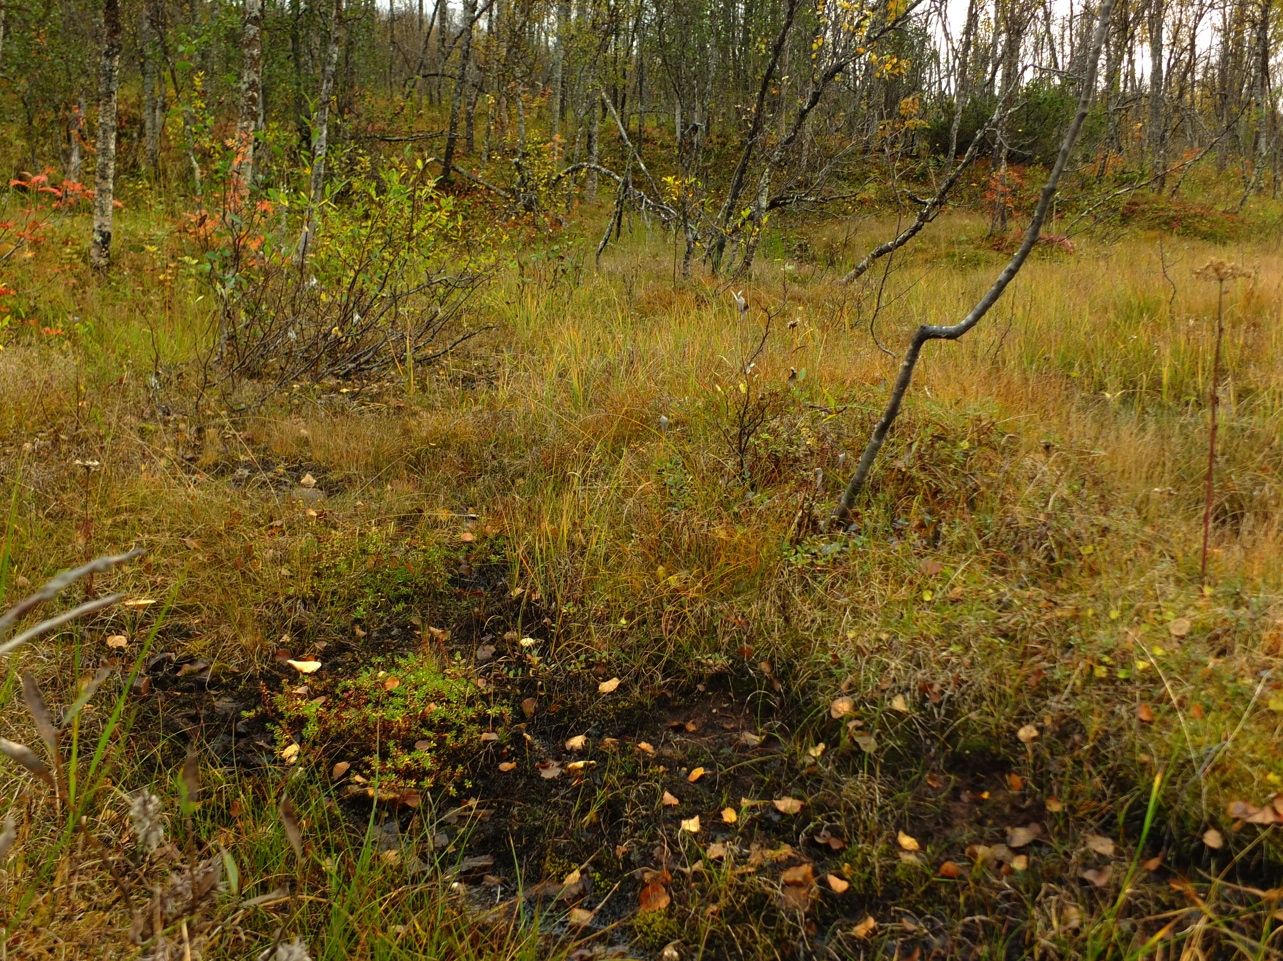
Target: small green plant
column 402, row 725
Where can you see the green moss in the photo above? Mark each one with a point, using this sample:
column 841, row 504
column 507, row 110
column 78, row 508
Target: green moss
column 405, row 721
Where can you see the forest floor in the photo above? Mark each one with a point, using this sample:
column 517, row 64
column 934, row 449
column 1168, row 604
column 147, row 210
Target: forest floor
column 668, row 717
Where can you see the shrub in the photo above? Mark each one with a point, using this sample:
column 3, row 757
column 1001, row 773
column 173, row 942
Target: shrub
column 383, row 286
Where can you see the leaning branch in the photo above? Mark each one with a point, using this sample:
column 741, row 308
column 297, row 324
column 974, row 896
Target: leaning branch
column 841, row 516
column 929, row 210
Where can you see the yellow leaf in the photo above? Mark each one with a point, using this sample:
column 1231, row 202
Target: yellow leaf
column 1027, row 733
column 787, row 805
column 577, row 743
column 670, row 800
column 865, row 927
column 839, row 885
column 579, row 916
column 908, row 842
column 691, row 825
column 729, row 816
column 841, row 707
column 695, row 775
column 117, row 641
column 304, row 667
column 899, row 703
column 606, row 687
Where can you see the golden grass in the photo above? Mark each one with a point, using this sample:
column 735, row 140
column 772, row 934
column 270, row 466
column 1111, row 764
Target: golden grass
column 1050, row 464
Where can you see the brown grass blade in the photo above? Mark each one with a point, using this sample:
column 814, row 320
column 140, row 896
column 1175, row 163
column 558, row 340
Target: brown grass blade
column 39, row 711
column 289, row 819
column 21, row 754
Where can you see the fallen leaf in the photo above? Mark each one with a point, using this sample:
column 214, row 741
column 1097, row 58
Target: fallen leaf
column 489, row 737
column 578, row 767
column 866, row 742
column 308, row 481
column 817, row 750
column 1242, row 811
column 729, row 816
column 787, row 805
column 645, row 747
column 1020, row 862
column 548, row 770
column 950, row 869
column 339, row 770
column 900, row 703
column 579, row 916
column 691, row 824
column 528, row 706
column 1144, row 713
column 865, row 927
column 798, row 874
column 467, row 537
column 1053, row 805
column 577, row 743
column 506, row 766
column 1015, row 782
column 1153, row 864
column 1100, row 844
column 695, row 775
column 606, row 687
column 1098, row 877
column 290, row 752
column 391, row 683
column 1179, row 627
column 1027, row 734
column 670, row 800
column 303, row 667
column 1018, row 837
column 654, row 897
column 841, row 707
column 117, row 641
column 907, row 842
column 839, row 885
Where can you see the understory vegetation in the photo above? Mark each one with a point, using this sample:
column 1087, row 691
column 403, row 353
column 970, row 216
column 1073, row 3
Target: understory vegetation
column 583, row 479
column 559, row 607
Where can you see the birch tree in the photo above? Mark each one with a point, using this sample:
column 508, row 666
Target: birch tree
column 321, row 129
column 460, row 85
column 251, row 94
column 105, row 170
column 926, row 333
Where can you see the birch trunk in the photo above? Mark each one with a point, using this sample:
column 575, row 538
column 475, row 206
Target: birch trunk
column 149, row 26
column 460, row 82
column 105, row 168
column 321, row 131
column 250, row 96
column 559, row 66
column 1157, row 138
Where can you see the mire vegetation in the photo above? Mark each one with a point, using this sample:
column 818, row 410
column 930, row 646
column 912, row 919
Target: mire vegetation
column 454, row 563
